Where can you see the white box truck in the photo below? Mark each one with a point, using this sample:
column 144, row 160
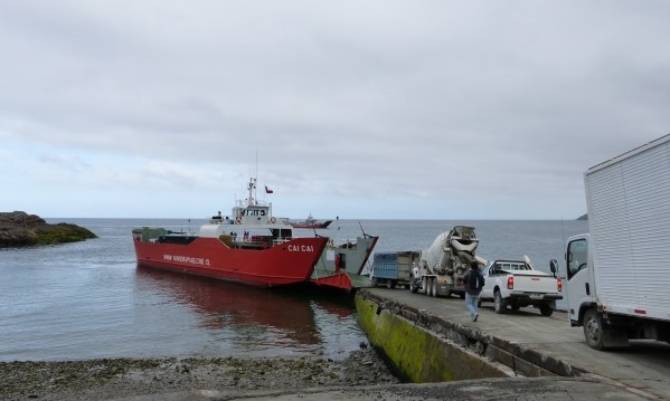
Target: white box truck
column 618, row 284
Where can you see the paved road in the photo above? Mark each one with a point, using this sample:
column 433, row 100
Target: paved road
column 645, row 365
column 482, row 390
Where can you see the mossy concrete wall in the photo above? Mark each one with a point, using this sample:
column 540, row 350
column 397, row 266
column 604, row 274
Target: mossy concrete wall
column 418, row 354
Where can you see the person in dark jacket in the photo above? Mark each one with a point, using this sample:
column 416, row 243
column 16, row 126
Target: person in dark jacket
column 474, row 282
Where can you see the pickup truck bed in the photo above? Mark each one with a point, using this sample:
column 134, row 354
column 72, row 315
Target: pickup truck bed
column 516, row 284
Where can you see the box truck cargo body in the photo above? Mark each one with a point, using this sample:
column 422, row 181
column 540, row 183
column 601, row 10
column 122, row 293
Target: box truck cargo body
column 392, row 268
column 619, row 274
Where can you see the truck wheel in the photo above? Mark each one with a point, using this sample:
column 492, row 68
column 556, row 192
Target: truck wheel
column 375, row 282
column 515, row 307
column 434, row 287
column 600, row 336
column 461, row 295
column 389, row 284
column 499, row 304
column 546, row 310
column 594, row 331
column 424, row 285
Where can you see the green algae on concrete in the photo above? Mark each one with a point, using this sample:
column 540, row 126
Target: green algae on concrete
column 419, row 355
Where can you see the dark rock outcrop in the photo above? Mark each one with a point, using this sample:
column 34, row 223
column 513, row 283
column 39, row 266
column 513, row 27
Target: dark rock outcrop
column 21, row 229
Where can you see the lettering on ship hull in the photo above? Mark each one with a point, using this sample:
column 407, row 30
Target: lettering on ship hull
column 186, row 259
column 301, row 248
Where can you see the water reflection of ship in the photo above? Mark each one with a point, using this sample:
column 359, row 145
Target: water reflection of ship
column 334, row 307
column 228, row 305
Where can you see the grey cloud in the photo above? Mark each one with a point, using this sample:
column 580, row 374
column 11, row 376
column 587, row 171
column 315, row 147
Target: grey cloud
column 413, row 99
column 69, row 163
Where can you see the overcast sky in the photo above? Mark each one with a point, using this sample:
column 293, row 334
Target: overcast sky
column 362, row 109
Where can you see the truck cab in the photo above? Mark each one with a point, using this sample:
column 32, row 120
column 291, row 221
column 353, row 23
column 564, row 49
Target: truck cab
column 583, row 307
column 580, row 284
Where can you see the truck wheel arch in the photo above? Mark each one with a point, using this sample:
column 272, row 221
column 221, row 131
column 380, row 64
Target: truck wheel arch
column 582, row 311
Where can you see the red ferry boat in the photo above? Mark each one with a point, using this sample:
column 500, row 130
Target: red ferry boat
column 250, row 247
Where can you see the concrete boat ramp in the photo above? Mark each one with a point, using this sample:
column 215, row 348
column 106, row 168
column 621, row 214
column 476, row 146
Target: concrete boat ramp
column 481, row 390
column 520, row 343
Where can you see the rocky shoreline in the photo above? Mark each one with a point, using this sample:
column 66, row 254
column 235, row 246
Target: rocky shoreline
column 19, row 229
column 115, row 378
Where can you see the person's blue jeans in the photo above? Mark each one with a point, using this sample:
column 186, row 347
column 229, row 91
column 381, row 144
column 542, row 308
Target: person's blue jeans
column 471, row 304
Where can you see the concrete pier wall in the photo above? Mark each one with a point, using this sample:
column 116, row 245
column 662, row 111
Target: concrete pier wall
column 418, row 354
column 426, row 348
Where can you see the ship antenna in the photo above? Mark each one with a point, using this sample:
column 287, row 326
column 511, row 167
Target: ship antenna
column 256, row 179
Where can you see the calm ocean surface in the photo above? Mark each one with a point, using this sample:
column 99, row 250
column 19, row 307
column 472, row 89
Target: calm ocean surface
column 89, row 300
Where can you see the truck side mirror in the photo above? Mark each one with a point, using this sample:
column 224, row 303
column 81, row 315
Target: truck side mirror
column 553, row 266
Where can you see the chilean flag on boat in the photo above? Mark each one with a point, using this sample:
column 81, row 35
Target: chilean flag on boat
column 268, row 190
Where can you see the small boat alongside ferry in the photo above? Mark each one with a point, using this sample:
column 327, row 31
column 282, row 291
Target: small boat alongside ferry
column 341, row 266
column 251, row 247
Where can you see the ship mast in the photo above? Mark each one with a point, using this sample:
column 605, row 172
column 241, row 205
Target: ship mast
column 252, row 192
column 252, row 185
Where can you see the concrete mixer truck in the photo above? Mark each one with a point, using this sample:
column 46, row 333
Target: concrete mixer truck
column 440, row 269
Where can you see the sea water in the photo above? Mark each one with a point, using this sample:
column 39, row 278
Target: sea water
column 89, row 299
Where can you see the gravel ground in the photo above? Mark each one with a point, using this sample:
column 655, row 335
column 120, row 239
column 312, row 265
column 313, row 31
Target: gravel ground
column 114, row 378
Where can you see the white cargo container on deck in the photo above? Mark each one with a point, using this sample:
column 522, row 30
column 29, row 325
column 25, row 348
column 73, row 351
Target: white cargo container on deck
column 619, row 274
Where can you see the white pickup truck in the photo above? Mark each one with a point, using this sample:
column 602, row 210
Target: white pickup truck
column 515, row 283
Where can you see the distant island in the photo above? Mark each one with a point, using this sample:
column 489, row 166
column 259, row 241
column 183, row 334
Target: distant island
column 18, row 229
column 583, row 217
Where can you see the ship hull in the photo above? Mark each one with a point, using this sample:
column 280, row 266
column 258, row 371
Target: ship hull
column 339, row 280
column 285, row 264
column 308, row 225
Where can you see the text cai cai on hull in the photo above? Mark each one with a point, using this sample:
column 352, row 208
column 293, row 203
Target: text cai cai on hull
column 254, row 247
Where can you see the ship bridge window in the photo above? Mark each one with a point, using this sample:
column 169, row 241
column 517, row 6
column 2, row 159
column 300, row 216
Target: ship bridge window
column 281, row 233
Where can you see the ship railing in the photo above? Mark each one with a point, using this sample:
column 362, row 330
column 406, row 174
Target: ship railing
column 259, row 243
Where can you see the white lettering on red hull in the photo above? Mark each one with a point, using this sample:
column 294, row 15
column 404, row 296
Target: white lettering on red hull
column 301, row 248
column 186, row 259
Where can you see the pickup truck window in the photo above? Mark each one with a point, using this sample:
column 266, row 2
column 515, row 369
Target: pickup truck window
column 500, row 267
column 515, row 266
column 577, row 256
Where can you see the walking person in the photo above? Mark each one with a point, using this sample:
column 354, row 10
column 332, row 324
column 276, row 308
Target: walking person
column 474, row 282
